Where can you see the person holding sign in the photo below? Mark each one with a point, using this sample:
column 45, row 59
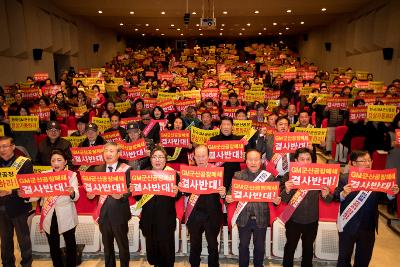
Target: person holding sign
column 14, row 210
column 59, row 214
column 226, row 134
column 149, row 127
column 301, row 221
column 252, row 217
column 112, row 212
column 158, row 219
column 358, row 218
column 92, row 136
column 204, row 214
column 133, row 135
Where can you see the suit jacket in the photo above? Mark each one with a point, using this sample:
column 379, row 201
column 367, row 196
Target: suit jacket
column 258, row 209
column 367, row 216
column 209, row 207
column 116, row 210
column 154, row 133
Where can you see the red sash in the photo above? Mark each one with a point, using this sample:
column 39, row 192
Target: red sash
column 292, row 206
column 96, row 215
column 149, row 127
column 49, row 204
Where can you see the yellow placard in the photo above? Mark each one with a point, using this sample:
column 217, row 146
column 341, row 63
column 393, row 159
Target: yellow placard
column 40, row 169
column 80, row 110
column 381, row 113
column 1, row 130
column 118, row 81
column 252, row 96
column 378, row 87
column 181, row 81
column 317, row 135
column 102, row 123
column 306, row 90
column 122, row 106
column 200, row 136
column 111, row 87
column 227, row 76
column 8, row 179
column 24, row 123
column 323, row 99
column 167, row 96
column 242, row 127
column 10, row 100
column 75, row 140
column 256, row 87
column 193, row 94
column 272, row 103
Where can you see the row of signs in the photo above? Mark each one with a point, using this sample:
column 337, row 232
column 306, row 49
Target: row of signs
column 196, row 180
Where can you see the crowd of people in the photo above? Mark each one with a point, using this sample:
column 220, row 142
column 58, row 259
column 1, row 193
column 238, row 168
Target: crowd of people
column 147, row 91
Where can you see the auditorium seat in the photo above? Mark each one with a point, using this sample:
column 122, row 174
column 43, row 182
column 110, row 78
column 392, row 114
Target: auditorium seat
column 64, row 130
column 71, row 123
column 85, row 206
column 356, row 143
column 379, row 158
column 324, row 123
column 314, row 118
column 340, row 131
column 328, row 212
column 39, row 138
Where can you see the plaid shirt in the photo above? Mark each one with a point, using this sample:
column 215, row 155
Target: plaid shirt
column 258, row 209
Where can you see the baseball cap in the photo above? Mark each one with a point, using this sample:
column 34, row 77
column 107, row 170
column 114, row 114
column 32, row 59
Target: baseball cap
column 53, row 125
column 132, row 126
column 91, row 126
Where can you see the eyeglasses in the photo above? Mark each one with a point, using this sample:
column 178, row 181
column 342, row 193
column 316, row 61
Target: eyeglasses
column 5, row 146
column 146, row 119
column 158, row 157
column 364, row 161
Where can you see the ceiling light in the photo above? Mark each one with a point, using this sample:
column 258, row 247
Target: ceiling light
column 274, row 23
column 240, row 33
column 248, row 24
column 162, row 34
column 323, row 9
column 287, row 28
column 197, row 25
column 131, row 12
column 222, row 25
column 201, row 34
column 100, row 12
column 199, row 29
column 121, row 24
column 289, row 11
column 172, row 25
column 243, row 29
column 265, row 29
column 178, row 29
column 147, row 25
column 220, row 33
column 194, row 13
column 221, row 29
column 259, row 33
column 280, row 33
column 256, row 12
column 157, row 29
column 224, row 12
column 302, row 22
column 181, row 34
column 136, row 29
column 162, row 12
column 143, row 34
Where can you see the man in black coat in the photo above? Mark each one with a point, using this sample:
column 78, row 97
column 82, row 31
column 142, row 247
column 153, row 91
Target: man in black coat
column 14, row 210
column 206, row 216
column 115, row 212
column 93, row 138
column 360, row 229
column 226, row 134
column 153, row 132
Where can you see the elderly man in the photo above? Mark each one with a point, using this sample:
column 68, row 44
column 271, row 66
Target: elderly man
column 206, row 216
column 113, row 212
column 149, row 128
column 254, row 218
column 14, row 210
column 51, row 142
column 360, row 228
column 93, row 138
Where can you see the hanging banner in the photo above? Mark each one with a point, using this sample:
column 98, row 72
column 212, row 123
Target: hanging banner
column 104, row 183
column 153, row 182
column 247, row 191
column 314, row 176
column 200, row 181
